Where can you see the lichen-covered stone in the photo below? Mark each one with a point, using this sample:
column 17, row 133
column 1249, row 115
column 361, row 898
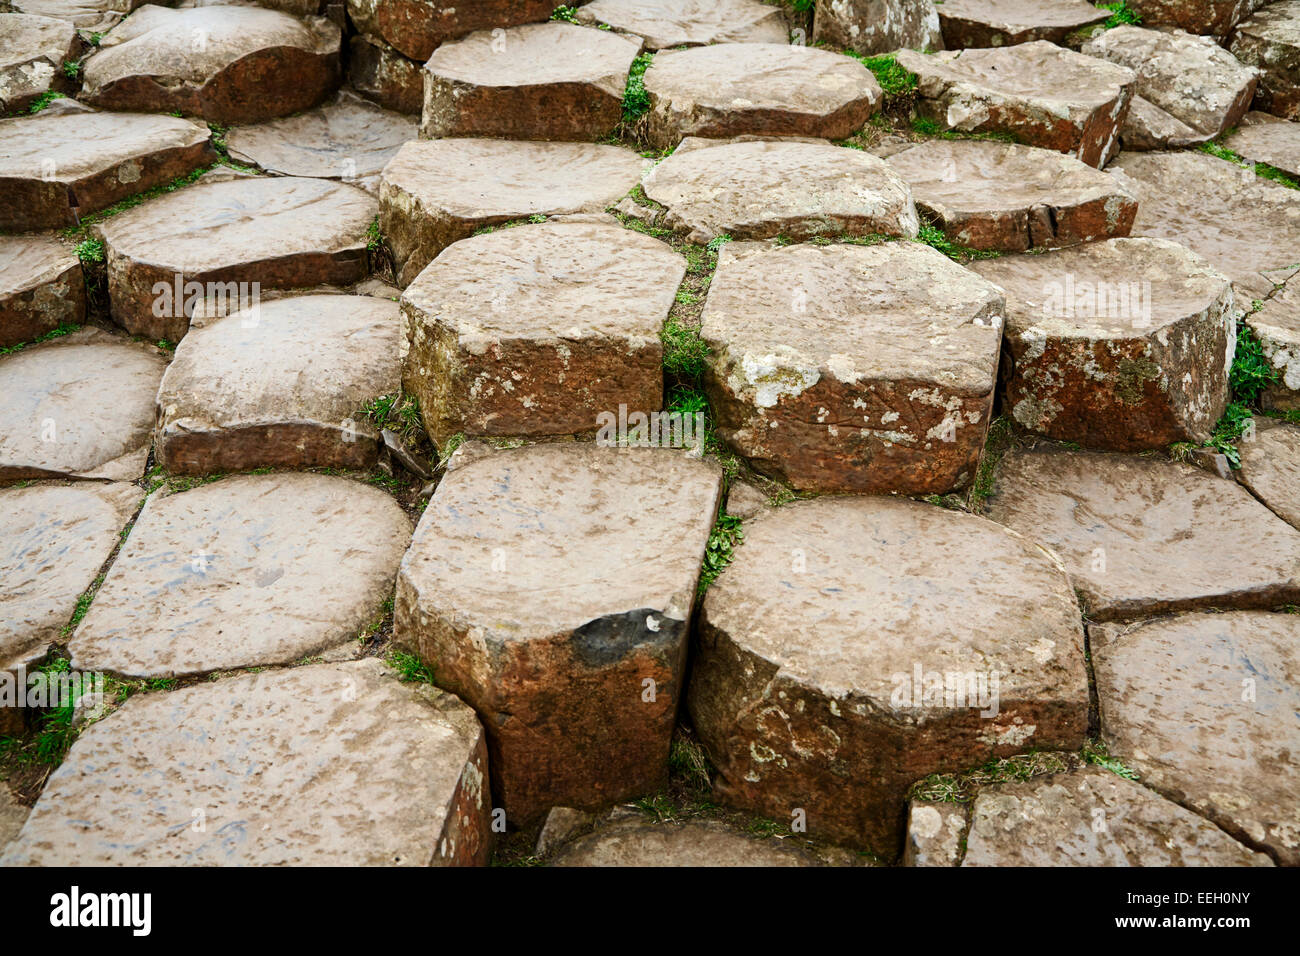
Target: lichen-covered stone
column 985, row 23
column 1270, row 40
column 33, row 50
column 664, row 24
column 41, row 288
column 877, row 26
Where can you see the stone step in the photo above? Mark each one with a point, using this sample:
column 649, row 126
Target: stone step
column 695, row 843
column 415, row 28
column 878, row 641
column 88, row 16
column 223, row 242
column 995, row 23
column 78, row 406
column 1264, row 138
column 1206, row 708
column 760, row 189
column 332, row 764
column 550, row 587
column 227, row 64
column 433, row 193
column 380, row 73
column 1206, row 17
column 280, row 385
column 757, row 88
column 848, row 368
column 247, row 571
column 877, row 26
column 665, row 24
column 55, row 168
column 1270, row 40
column 990, row 195
column 1123, row 344
column 1276, row 325
column 41, row 288
column 1270, row 468
column 1038, row 93
column 32, row 53
column 543, row 81
column 538, row 329
column 1141, row 536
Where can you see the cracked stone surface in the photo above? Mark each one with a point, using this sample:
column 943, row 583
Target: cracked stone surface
column 434, row 192
column 550, row 587
column 877, row 26
column 987, row 23
column 78, row 406
column 228, row 64
column 280, row 386
column 538, row 329
column 765, row 188
column 757, row 88
column 55, row 538
column 1141, row 536
column 663, row 24
column 1084, row 817
column 32, row 52
column 56, row 167
column 380, row 73
column 1212, row 17
column 245, row 571
column 852, row 368
column 41, row 288
column 1270, row 40
column 1270, row 468
column 1206, row 709
column 542, row 81
column 990, row 195
column 1123, row 344
column 332, row 764
column 415, row 28
column 214, row 246
column 1036, row 92
column 695, row 843
column 1263, row 138
column 865, row 604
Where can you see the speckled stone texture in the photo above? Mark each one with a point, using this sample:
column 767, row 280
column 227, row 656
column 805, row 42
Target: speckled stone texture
column 41, row 288
column 664, row 24
column 877, row 26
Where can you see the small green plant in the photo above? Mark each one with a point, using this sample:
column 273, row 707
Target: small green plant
column 1251, row 371
column 1096, row 752
column 684, row 351
column 90, row 250
column 934, row 237
column 894, row 80
column 1236, row 418
column 45, row 337
column 1120, row 14
column 44, row 100
column 721, row 549
column 565, row 14
column 410, row 668
column 636, row 101
column 1001, row 436
column 71, row 68
column 1262, row 170
column 374, row 238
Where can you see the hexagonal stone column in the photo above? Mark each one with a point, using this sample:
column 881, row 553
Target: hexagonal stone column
column 54, row 168
column 1270, row 468
column 543, row 81
column 434, row 193
column 1036, row 92
column 249, row 570
column 762, row 189
column 1086, row 817
column 416, row 28
column 853, row 368
column 1141, row 536
column 1270, row 40
column 406, row 780
column 550, row 587
column 988, row 195
column 280, row 386
column 1123, row 344
column 983, row 23
column 664, row 24
column 41, row 288
column 538, row 329
column 760, row 88
column 1204, row 707
column 228, row 64
column 223, row 243
column 856, row 645
column 878, row 26
column 384, row 76
column 32, row 53
column 78, row 406
column 1213, row 17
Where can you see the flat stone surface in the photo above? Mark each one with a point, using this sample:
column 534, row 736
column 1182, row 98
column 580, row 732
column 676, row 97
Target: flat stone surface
column 1270, row 468
column 348, row 139
column 380, row 73
column 1086, row 817
column 227, row 241
column 415, row 28
column 1147, row 126
column 1191, row 78
column 41, row 288
column 89, row 16
column 820, row 647
column 433, row 193
column 538, row 329
column 228, row 64
column 249, row 570
column 542, row 81
column 983, row 23
column 1141, row 536
column 851, row 368
column 32, row 51
column 877, row 26
column 1123, row 344
column 631, row 843
column 763, row 188
column 1277, row 328
column 328, row 765
column 55, row 538
column 1206, row 709
column 58, row 166
column 80, row 405
column 1213, row 17
column 1247, row 228
column 991, row 195
column 550, row 587
column 1263, row 138
column 764, row 88
column 281, row 386
column 671, row 23
column 1036, row 92
column 1270, row 40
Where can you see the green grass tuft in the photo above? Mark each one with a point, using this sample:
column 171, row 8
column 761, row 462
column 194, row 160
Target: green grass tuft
column 894, row 80
column 636, row 101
